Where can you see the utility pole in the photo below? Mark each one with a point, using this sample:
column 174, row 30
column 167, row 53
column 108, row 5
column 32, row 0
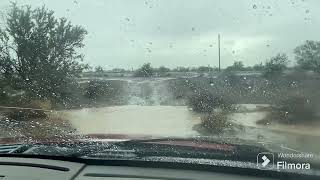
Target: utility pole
column 219, row 52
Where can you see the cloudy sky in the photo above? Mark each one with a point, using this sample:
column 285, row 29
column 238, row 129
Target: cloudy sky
column 128, row 33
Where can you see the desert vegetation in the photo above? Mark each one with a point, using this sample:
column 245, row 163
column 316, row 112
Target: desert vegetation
column 291, row 92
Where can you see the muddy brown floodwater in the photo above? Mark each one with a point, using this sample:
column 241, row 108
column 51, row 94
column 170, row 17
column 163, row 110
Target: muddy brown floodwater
column 179, row 121
column 135, row 119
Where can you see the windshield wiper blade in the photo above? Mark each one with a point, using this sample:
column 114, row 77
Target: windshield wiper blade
column 137, row 149
column 182, row 148
column 114, row 154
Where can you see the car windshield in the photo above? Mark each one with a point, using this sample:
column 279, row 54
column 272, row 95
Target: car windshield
column 207, row 69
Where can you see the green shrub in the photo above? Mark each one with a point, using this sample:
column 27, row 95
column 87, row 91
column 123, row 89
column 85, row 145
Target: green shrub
column 205, row 101
column 96, row 89
column 296, row 108
column 144, row 71
column 102, row 92
column 180, row 88
column 293, row 109
column 275, row 66
column 215, row 123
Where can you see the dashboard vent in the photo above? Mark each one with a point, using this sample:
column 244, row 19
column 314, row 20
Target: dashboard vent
column 9, row 148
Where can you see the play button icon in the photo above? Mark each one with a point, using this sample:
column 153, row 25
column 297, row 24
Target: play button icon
column 265, row 162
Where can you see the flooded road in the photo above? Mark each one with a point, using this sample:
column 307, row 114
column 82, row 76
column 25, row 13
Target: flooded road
column 146, row 114
column 179, row 121
column 134, row 119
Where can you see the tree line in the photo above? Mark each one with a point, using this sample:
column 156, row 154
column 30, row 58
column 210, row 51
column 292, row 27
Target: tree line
column 307, row 57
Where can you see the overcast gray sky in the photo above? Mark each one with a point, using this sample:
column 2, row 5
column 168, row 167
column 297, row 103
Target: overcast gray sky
column 128, row 33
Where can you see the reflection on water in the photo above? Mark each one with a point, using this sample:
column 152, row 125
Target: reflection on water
column 134, row 119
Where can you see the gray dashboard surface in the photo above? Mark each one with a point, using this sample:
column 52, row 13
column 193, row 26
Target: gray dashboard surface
column 124, row 173
column 34, row 169
column 41, row 169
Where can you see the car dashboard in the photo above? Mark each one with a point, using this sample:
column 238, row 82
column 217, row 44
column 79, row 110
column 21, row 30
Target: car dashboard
column 14, row 168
